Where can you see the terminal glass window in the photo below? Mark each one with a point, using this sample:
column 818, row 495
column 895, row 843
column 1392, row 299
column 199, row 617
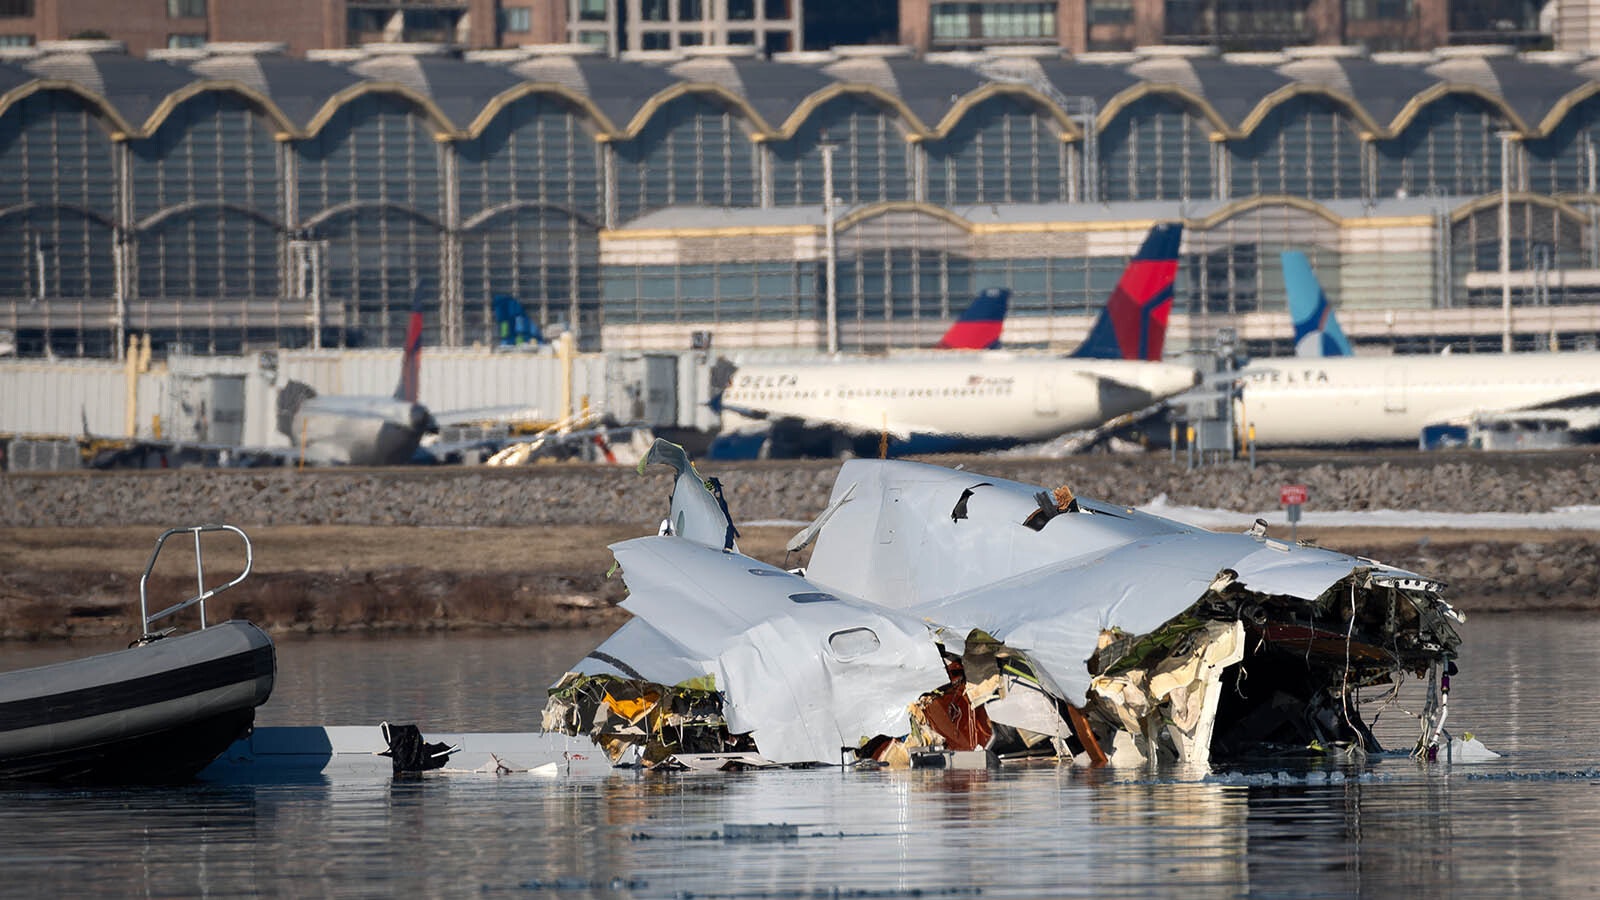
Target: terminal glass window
column 1110, row 12
column 1357, row 10
column 516, row 18
column 16, row 9
column 691, row 10
column 186, row 9
column 592, row 10
column 180, row 41
column 994, row 21
column 741, row 10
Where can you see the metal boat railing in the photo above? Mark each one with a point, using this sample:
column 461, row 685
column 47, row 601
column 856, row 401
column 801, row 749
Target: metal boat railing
column 204, row 594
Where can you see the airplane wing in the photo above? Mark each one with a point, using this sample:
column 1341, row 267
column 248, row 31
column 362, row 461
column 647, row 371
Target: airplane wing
column 1579, row 412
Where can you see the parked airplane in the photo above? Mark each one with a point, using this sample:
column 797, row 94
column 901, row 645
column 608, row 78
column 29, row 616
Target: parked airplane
column 361, row 430
column 979, row 326
column 965, row 402
column 1391, row 399
column 1316, row 331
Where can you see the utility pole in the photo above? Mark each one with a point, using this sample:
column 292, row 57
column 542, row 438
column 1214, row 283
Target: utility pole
column 829, row 247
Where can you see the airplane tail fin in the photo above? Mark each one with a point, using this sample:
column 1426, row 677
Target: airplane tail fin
column 1316, row 331
column 979, row 327
column 1133, row 323
column 411, row 362
column 512, row 328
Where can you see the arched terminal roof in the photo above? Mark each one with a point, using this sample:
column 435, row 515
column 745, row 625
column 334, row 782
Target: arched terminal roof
column 1535, row 92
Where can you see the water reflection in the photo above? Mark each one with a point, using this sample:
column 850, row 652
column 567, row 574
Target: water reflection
column 1387, row 827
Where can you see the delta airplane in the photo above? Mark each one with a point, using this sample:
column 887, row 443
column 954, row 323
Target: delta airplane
column 1345, row 399
column 360, row 430
column 369, row 430
column 1316, row 331
column 966, row 402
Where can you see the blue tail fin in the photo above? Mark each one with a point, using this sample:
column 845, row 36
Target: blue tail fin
column 1316, row 331
column 1133, row 323
column 512, row 327
column 979, row 327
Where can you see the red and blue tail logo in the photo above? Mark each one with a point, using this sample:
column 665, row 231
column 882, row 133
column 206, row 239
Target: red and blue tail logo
column 1133, row 323
column 411, row 361
column 979, row 327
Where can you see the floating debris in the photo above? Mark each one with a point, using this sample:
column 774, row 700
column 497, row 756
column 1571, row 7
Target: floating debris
column 951, row 619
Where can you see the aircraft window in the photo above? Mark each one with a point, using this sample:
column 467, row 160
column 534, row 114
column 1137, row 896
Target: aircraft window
column 813, row 597
column 853, row 642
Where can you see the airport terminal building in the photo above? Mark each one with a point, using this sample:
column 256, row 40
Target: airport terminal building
column 232, row 197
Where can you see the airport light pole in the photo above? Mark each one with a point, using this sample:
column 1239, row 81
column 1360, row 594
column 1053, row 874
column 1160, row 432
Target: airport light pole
column 829, row 246
column 1505, row 240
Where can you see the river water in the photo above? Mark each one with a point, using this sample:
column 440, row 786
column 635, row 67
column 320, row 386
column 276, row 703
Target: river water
column 1524, row 824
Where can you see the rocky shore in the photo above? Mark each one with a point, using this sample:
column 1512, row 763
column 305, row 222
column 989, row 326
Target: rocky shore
column 456, row 548
column 586, row 495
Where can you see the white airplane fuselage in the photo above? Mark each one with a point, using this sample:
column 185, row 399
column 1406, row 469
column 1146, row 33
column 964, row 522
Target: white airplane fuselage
column 979, row 398
column 1353, row 400
column 360, row 431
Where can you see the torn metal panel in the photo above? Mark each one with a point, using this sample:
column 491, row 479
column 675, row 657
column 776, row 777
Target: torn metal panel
column 639, row 651
column 803, row 671
column 945, row 611
column 913, row 533
column 698, row 511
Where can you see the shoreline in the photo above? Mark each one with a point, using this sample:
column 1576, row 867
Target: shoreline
column 65, row 583
column 477, row 548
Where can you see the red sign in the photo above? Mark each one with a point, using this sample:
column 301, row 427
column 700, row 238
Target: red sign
column 1293, row 494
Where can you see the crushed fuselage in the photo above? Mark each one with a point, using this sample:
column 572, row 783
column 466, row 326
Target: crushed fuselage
column 943, row 611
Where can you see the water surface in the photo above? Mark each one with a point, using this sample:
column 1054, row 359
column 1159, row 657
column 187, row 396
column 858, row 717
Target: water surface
column 1521, row 825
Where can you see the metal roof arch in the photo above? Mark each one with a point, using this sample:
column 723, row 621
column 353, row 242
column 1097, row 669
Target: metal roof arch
column 1297, row 90
column 871, row 211
column 660, row 99
column 107, row 113
column 355, row 207
column 972, row 100
column 171, row 102
column 159, row 218
column 484, row 217
column 814, row 102
column 508, row 98
column 355, row 92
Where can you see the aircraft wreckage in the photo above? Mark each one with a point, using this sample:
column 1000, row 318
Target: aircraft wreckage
column 944, row 612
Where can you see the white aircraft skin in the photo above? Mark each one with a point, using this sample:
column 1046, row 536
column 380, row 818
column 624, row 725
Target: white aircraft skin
column 360, row 431
column 990, row 398
column 1353, row 400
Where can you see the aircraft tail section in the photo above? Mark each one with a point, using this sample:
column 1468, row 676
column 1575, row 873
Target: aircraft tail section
column 411, row 362
column 512, row 327
column 1316, row 331
column 290, row 398
column 1133, row 323
column 979, row 327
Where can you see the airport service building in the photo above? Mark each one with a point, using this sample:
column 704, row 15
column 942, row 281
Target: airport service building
column 233, row 197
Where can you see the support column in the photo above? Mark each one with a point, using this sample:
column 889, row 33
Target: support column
column 452, row 313
column 1326, row 18
column 123, row 241
column 916, row 28
column 1149, row 22
column 1072, row 25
